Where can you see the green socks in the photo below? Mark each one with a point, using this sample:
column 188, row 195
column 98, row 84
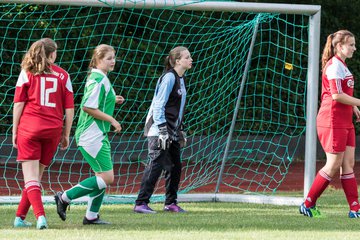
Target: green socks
column 90, row 186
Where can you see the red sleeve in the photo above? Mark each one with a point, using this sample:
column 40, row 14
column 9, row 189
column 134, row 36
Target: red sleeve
column 67, row 95
column 335, row 86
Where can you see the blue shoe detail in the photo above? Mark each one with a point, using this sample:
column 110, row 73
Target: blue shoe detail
column 354, row 214
column 19, row 223
column 310, row 212
column 41, row 223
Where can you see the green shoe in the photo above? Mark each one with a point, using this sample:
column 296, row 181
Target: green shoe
column 41, row 223
column 19, row 223
column 310, row 212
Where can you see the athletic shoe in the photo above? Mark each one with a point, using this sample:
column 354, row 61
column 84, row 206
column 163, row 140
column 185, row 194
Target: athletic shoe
column 61, row 206
column 97, row 221
column 353, row 214
column 41, row 223
column 19, row 223
column 309, row 212
column 173, row 208
column 143, row 208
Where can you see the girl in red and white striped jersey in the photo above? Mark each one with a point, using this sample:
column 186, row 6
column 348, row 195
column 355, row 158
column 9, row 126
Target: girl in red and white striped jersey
column 335, row 127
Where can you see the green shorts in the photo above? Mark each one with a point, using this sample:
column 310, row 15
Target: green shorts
column 102, row 161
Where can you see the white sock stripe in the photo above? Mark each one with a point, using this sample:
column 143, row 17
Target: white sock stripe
column 89, row 214
column 34, row 189
column 100, row 182
column 32, row 183
column 347, row 176
column 324, row 175
column 97, row 195
column 65, row 198
column 81, row 186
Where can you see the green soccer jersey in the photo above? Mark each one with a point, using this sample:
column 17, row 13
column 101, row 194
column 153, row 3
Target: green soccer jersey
column 98, row 94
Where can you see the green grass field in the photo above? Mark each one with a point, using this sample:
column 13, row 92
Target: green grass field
column 202, row 221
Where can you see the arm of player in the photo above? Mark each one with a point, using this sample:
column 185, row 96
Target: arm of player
column 162, row 94
column 96, row 113
column 69, row 116
column 346, row 99
column 356, row 113
column 119, row 99
column 17, row 112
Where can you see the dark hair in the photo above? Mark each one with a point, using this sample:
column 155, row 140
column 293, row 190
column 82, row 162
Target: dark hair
column 332, row 40
column 174, row 55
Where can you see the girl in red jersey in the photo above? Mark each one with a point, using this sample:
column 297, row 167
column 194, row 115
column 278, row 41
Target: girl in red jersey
column 43, row 95
column 334, row 124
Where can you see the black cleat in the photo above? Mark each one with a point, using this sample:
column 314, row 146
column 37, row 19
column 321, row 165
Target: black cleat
column 94, row 221
column 61, row 206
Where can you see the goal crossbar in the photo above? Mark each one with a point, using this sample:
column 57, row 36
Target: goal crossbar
column 186, row 5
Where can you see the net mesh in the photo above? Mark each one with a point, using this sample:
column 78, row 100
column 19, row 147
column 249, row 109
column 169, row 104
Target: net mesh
column 269, row 123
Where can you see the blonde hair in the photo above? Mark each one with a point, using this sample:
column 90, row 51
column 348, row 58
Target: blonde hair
column 174, row 55
column 332, row 40
column 99, row 53
column 36, row 59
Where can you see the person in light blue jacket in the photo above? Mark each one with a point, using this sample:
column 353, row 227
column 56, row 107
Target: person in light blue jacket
column 163, row 129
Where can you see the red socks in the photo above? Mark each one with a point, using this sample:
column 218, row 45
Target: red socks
column 349, row 185
column 320, row 183
column 33, row 190
column 24, row 205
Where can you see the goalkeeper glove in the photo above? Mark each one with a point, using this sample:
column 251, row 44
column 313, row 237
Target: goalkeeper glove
column 164, row 139
column 182, row 138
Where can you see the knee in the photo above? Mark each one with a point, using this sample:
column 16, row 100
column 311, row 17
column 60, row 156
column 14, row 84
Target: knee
column 348, row 166
column 111, row 180
column 331, row 170
column 108, row 177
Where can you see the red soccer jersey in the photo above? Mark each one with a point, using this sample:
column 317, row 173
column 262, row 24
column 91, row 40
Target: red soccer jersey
column 46, row 96
column 336, row 78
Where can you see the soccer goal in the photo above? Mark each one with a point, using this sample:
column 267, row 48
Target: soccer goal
column 252, row 92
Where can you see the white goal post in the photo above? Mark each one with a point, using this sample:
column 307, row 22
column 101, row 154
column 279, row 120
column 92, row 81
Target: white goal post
column 312, row 11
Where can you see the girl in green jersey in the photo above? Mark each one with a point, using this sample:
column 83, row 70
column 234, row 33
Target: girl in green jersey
column 95, row 120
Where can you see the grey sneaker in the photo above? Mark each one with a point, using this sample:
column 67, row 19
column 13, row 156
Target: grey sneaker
column 96, row 221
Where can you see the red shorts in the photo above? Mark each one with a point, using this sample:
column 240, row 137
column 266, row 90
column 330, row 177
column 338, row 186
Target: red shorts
column 336, row 140
column 36, row 148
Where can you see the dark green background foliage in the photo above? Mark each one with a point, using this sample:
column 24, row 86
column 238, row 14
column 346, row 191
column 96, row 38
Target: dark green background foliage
column 74, row 42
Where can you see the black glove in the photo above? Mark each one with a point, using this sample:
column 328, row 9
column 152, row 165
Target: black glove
column 164, row 139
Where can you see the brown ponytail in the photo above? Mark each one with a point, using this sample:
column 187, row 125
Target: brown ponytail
column 332, row 40
column 36, row 59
